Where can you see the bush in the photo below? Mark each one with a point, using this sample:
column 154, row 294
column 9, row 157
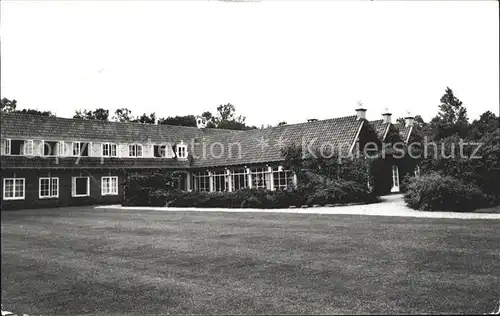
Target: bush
column 148, row 190
column 334, row 192
column 159, row 190
column 433, row 192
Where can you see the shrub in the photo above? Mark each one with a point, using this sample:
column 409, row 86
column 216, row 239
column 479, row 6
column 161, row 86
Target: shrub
column 148, row 189
column 433, row 192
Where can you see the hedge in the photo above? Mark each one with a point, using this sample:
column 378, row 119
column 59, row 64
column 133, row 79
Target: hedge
column 155, row 191
column 434, row 192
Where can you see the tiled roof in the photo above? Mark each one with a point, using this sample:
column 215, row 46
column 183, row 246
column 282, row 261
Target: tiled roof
column 57, row 128
column 380, row 127
column 257, row 146
column 264, row 145
column 404, row 131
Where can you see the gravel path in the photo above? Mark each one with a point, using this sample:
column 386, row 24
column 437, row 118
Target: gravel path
column 393, row 205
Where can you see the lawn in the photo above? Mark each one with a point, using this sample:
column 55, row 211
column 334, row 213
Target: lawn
column 105, row 261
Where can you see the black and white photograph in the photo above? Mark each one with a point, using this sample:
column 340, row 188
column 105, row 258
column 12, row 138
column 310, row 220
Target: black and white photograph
column 255, row 157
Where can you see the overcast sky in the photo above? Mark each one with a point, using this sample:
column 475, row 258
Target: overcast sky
column 275, row 61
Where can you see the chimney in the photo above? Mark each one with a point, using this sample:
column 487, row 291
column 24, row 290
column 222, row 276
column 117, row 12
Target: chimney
column 409, row 121
column 387, row 117
column 361, row 111
column 201, row 122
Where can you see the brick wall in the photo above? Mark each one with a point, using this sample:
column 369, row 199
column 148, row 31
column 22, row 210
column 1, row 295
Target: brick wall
column 32, row 199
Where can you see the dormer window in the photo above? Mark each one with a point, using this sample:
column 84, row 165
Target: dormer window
column 108, row 150
column 181, row 151
column 28, row 148
column 81, row 149
column 135, row 150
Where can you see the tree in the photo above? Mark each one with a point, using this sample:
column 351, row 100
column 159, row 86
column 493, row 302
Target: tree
column 122, row 115
column 226, row 118
column 188, row 120
column 146, row 119
column 8, row 106
column 209, row 118
column 282, row 123
column 99, row 114
column 451, row 119
column 487, row 123
column 35, row 112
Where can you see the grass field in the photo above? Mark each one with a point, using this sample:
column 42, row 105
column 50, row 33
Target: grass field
column 105, row 261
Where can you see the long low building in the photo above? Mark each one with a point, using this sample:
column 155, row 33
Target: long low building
column 51, row 161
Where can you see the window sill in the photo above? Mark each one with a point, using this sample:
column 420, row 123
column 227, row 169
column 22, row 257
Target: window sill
column 13, row 198
column 80, row 195
column 48, row 197
column 108, row 194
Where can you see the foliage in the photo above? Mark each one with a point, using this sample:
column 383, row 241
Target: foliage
column 480, row 168
column 149, row 190
column 122, row 115
column 9, row 106
column 434, row 192
column 225, row 118
column 146, row 119
column 188, row 120
column 451, row 119
column 97, row 114
column 487, row 123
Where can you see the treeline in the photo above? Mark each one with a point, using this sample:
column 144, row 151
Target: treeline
column 225, row 116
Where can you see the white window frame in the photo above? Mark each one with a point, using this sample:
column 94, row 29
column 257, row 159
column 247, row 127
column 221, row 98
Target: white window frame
column 112, row 190
column 73, row 187
column 54, row 151
column 14, row 197
column 73, row 148
column 184, row 149
column 28, row 147
column 51, row 189
column 61, row 149
column 111, row 149
column 6, row 147
column 135, row 150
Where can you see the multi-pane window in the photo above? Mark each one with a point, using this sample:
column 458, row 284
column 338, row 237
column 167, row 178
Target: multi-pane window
column 80, row 186
column 81, row 149
column 201, row 182
column 417, row 171
column 282, row 178
column 76, row 149
column 6, row 147
column 220, row 181
column 239, row 179
column 109, row 185
column 28, row 147
column 49, row 187
column 108, row 150
column 395, row 176
column 260, row 178
column 13, row 188
column 61, row 149
column 181, row 151
column 135, row 150
column 14, row 147
column 160, row 151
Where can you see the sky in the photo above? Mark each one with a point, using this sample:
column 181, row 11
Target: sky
column 274, row 60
